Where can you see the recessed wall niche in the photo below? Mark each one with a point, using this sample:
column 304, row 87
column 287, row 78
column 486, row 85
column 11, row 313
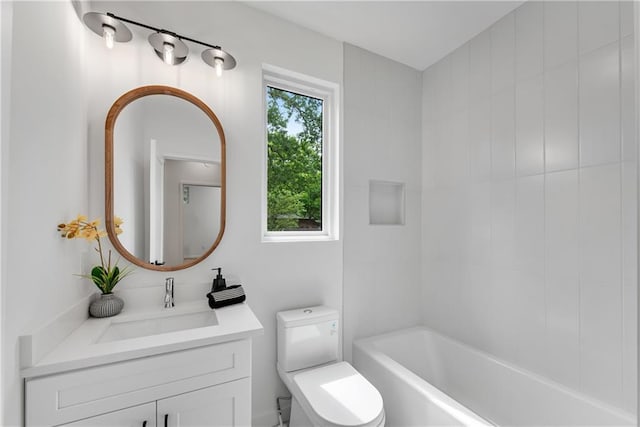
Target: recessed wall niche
column 386, row 203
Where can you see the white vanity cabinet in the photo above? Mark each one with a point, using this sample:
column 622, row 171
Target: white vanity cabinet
column 209, row 385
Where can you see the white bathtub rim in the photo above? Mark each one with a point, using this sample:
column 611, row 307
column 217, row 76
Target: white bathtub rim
column 367, row 344
column 417, row 383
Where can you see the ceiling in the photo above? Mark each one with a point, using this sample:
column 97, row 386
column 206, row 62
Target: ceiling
column 415, row 33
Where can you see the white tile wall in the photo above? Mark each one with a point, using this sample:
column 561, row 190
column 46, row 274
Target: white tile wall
column 460, row 75
column 561, row 117
column 627, row 93
column 529, row 39
column 529, row 246
column 502, row 53
column 626, row 17
column 562, row 279
column 530, row 255
column 480, row 140
column 382, row 141
column 530, row 126
column 479, row 67
column 599, row 107
column 629, row 281
column 503, row 156
column 560, row 32
column 479, row 270
column 600, row 282
column 598, row 23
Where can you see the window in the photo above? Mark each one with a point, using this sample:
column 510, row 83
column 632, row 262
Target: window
column 300, row 178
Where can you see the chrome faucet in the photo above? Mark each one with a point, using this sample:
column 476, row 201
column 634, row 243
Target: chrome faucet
column 168, row 293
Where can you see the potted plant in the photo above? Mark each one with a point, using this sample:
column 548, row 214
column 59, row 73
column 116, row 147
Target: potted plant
column 106, row 275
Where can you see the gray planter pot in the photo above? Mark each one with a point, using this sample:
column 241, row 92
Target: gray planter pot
column 106, row 306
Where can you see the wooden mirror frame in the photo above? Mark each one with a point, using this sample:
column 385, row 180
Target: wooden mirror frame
column 113, row 114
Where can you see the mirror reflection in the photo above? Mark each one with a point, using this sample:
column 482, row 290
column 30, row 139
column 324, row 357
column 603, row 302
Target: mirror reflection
column 168, row 179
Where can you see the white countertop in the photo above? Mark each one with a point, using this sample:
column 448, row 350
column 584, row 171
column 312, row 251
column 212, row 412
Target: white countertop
column 81, row 350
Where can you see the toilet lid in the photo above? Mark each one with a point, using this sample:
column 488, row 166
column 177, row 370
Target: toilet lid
column 340, row 395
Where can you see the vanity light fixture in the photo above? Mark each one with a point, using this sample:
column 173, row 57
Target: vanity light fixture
column 168, row 45
column 218, row 59
column 108, row 27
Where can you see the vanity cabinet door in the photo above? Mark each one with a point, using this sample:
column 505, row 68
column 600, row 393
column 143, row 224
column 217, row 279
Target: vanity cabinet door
column 137, row 416
column 225, row 405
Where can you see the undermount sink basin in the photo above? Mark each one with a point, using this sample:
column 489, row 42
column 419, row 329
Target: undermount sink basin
column 122, row 330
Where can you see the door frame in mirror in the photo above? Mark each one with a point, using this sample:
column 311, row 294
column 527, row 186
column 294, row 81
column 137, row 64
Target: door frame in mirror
column 112, row 115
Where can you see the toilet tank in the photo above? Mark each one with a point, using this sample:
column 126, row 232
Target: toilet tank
column 307, row 337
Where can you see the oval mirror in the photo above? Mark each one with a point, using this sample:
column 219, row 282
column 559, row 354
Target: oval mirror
column 164, row 177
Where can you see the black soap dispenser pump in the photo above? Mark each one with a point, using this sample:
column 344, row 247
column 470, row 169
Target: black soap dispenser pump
column 218, row 282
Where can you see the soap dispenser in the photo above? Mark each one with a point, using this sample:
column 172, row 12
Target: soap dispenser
column 221, row 295
column 218, row 282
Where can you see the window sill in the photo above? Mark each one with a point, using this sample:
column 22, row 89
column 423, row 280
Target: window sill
column 294, row 236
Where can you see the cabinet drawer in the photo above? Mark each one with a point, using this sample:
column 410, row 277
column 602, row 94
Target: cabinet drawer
column 70, row 396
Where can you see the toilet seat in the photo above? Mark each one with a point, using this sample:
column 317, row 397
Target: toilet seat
column 338, row 395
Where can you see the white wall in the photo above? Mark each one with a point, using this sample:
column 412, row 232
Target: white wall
column 180, row 128
column 276, row 276
column 56, row 164
column 201, row 219
column 529, row 203
column 6, row 13
column 176, row 174
column 129, row 181
column 45, row 176
column 381, row 142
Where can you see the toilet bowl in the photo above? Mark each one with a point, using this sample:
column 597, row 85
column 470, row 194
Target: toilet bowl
column 324, row 390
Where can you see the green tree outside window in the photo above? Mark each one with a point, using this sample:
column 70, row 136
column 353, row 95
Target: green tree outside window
column 294, row 164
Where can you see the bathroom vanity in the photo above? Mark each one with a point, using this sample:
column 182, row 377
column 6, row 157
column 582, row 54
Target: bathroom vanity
column 174, row 366
column 188, row 366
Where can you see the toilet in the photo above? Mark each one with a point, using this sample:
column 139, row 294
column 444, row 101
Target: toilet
column 325, row 391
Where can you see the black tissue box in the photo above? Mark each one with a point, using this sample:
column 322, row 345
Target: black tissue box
column 227, row 296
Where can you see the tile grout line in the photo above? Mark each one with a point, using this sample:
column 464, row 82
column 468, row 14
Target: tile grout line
column 579, row 218
column 544, row 194
column 621, row 204
column 517, row 319
column 491, row 341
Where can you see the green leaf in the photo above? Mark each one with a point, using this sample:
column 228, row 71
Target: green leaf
column 99, row 277
column 106, row 280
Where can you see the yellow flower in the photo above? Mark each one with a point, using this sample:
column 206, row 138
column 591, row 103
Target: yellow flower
column 106, row 275
column 89, row 233
column 117, row 222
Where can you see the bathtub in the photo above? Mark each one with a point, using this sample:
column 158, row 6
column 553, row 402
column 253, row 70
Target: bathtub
column 427, row 379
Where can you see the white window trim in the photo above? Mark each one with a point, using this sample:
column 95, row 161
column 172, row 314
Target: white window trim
column 329, row 92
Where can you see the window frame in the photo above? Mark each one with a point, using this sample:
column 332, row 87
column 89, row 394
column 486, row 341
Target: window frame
column 290, row 81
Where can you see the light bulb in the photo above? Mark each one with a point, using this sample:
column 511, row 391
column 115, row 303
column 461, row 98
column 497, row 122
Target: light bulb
column 218, row 63
column 108, row 32
column 167, row 53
